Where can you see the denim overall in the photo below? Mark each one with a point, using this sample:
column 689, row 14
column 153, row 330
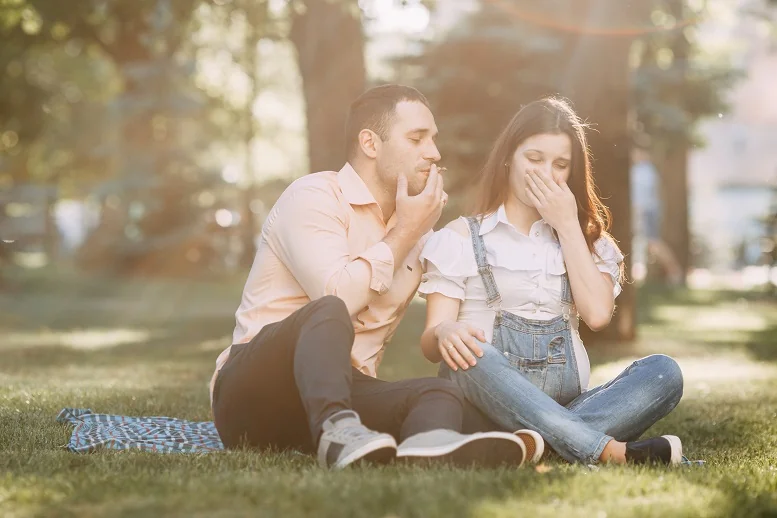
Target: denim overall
column 541, row 350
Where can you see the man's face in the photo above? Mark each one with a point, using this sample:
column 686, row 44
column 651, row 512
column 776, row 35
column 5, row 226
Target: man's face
column 410, row 147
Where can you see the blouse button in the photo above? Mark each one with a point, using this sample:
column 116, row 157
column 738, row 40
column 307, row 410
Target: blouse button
column 536, row 234
column 506, row 355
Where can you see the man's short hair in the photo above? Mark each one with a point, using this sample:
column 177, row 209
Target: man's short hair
column 374, row 110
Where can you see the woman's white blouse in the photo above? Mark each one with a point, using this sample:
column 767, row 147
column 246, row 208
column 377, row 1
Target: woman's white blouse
column 527, row 271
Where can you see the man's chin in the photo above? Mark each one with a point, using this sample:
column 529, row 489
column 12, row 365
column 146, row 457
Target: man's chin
column 414, row 190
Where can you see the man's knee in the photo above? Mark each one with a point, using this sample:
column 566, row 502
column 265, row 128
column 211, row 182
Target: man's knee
column 330, row 303
column 437, row 386
column 330, row 308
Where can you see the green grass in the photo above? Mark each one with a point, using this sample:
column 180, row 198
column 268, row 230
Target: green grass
column 148, row 348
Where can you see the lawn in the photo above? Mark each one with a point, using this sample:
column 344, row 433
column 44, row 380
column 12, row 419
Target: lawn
column 148, row 348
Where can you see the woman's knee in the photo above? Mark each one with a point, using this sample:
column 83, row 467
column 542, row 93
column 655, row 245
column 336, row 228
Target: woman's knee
column 668, row 370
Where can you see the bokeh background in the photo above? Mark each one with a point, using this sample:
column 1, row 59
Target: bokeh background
column 150, row 138
column 143, row 142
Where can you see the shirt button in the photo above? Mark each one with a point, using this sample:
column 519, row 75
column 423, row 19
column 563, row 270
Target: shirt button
column 506, row 355
column 536, row 234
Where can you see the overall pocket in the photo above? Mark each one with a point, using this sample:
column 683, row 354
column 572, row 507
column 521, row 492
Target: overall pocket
column 540, row 356
column 520, row 350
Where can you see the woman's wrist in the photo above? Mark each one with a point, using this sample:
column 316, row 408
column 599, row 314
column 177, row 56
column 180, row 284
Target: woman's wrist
column 569, row 229
column 437, row 329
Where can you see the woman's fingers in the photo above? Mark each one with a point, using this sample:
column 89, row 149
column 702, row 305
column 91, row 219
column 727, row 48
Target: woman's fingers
column 455, row 352
column 463, row 348
column 447, row 358
column 533, row 198
column 471, row 342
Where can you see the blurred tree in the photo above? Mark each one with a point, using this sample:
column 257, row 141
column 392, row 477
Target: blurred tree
column 510, row 53
column 150, row 199
column 768, row 13
column 673, row 89
column 764, row 10
column 329, row 40
column 254, row 11
column 49, row 86
column 237, row 28
column 157, row 222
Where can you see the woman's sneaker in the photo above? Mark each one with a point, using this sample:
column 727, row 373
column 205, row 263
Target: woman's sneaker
column 484, row 449
column 346, row 440
column 535, row 445
column 667, row 449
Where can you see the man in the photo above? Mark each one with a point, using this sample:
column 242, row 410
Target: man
column 646, row 208
column 336, row 267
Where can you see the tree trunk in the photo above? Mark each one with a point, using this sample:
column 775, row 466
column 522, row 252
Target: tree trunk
column 674, row 166
column 674, row 180
column 255, row 12
column 598, row 85
column 330, row 51
column 101, row 248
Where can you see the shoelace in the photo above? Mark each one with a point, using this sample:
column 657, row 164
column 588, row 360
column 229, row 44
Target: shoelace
column 687, row 462
column 355, row 431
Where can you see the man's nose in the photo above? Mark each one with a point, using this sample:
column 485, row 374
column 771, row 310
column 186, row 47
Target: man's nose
column 432, row 153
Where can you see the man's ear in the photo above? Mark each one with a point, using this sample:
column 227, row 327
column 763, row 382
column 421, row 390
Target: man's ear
column 369, row 142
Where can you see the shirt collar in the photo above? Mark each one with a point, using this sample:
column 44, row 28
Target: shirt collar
column 491, row 221
column 353, row 187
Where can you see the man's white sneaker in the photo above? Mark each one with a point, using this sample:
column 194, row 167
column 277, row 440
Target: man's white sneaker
column 346, row 440
column 487, row 449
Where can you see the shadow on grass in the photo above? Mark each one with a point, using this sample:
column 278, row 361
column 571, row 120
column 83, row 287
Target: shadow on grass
column 763, row 344
column 719, row 319
column 181, row 340
column 743, row 499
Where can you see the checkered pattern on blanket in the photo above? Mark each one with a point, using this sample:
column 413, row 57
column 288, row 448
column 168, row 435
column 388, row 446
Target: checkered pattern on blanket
column 157, row 434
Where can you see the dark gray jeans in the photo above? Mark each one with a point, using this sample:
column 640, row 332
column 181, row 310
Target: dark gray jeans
column 277, row 390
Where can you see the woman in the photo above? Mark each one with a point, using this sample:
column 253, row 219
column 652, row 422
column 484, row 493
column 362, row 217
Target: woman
column 505, row 289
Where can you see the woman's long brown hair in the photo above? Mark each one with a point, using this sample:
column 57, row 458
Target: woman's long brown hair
column 549, row 115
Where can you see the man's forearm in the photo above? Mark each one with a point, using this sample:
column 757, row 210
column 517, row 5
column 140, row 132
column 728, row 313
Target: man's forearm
column 400, row 242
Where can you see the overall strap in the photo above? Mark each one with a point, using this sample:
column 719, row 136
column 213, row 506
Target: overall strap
column 484, row 269
column 566, row 292
column 566, row 296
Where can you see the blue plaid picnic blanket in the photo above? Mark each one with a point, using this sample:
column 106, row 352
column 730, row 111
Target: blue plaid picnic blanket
column 157, row 434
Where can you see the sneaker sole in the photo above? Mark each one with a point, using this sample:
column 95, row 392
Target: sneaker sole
column 487, row 449
column 677, row 448
column 379, row 451
column 535, row 445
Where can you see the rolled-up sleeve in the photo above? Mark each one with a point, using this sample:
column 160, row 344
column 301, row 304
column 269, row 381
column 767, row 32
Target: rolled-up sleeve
column 381, row 260
column 308, row 232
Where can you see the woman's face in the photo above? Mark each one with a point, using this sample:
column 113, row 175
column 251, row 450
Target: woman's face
column 547, row 153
